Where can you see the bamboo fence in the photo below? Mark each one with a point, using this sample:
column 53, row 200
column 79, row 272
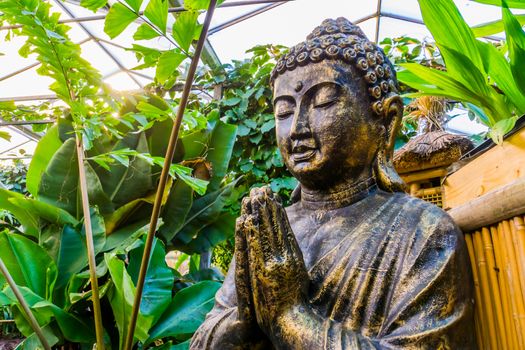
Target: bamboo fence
column 497, row 256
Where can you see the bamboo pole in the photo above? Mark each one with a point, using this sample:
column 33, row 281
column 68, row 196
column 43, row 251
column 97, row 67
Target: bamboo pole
column 494, row 286
column 99, row 329
column 164, row 176
column 485, row 294
column 26, row 311
column 514, row 283
column 518, row 251
column 479, row 311
column 504, row 289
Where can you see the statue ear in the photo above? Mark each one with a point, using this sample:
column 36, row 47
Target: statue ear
column 386, row 175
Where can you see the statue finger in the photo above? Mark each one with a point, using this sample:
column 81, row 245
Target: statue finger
column 290, row 242
column 278, row 232
column 242, row 274
column 267, row 229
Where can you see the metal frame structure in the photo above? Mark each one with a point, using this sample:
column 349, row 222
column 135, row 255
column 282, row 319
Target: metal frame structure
column 209, row 56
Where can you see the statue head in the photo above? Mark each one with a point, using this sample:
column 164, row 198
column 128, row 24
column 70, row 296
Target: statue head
column 337, row 108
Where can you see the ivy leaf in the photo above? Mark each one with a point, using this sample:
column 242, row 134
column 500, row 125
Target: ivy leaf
column 186, row 28
column 93, row 5
column 168, row 63
column 157, row 13
column 119, row 18
column 145, row 32
column 269, row 125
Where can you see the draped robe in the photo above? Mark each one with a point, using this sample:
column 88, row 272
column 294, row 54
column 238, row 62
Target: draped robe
column 387, row 272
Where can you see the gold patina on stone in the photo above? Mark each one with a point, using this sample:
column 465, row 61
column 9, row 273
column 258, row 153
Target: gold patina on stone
column 354, row 263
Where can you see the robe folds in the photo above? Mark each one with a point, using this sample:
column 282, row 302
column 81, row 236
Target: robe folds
column 387, row 272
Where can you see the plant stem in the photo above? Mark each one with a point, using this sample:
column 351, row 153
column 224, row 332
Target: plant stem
column 164, row 175
column 26, row 311
column 99, row 329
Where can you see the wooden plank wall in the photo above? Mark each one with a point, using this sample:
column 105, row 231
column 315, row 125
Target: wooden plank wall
column 497, row 255
column 493, row 169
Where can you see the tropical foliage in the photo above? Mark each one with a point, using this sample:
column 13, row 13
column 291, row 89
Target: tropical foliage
column 123, row 141
column 478, row 73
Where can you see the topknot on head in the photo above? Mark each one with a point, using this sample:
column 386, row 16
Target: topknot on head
column 341, row 39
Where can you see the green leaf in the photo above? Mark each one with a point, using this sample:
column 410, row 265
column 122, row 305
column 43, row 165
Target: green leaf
column 168, row 63
column 71, row 327
column 186, row 311
column 121, row 183
column 185, row 174
column 449, row 29
column 145, row 32
column 516, row 43
column 204, row 212
column 93, row 5
column 33, row 342
column 517, row 4
column 118, row 18
column 134, row 4
column 28, row 219
column 221, row 147
column 59, row 184
column 159, row 280
column 176, row 209
column 186, row 28
column 231, row 101
column 219, row 231
column 498, row 131
column 195, row 143
column 494, row 27
column 45, row 149
column 28, row 263
column 5, row 135
column 157, row 13
column 195, row 5
column 499, row 71
column 121, row 297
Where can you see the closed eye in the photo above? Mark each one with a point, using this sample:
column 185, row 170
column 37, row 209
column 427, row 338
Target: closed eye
column 325, row 103
column 284, row 114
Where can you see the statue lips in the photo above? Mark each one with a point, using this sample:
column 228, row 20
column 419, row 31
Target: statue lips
column 303, row 150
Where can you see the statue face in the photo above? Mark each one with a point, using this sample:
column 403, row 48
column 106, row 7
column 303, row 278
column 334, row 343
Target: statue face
column 325, row 128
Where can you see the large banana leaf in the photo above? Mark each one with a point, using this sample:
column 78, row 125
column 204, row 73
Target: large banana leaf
column 159, row 280
column 121, row 297
column 220, row 151
column 67, row 246
column 126, row 183
column 59, row 184
column 45, row 149
column 205, row 211
column 176, row 210
column 186, row 312
column 72, row 327
column 28, row 263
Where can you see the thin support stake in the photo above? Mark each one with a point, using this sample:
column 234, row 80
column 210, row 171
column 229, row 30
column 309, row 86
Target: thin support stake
column 164, row 175
column 26, row 311
column 99, row 330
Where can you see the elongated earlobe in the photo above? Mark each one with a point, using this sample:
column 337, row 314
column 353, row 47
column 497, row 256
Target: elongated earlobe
column 387, row 177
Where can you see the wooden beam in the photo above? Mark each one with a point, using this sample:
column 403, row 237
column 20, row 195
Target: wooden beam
column 493, row 207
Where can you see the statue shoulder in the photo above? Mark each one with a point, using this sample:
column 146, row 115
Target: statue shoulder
column 426, row 216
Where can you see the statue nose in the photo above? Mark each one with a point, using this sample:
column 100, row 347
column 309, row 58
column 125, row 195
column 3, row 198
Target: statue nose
column 300, row 126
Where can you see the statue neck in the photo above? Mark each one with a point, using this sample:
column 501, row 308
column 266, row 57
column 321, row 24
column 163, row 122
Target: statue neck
column 338, row 196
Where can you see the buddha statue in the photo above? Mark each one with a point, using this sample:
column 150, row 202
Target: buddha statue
column 354, row 263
